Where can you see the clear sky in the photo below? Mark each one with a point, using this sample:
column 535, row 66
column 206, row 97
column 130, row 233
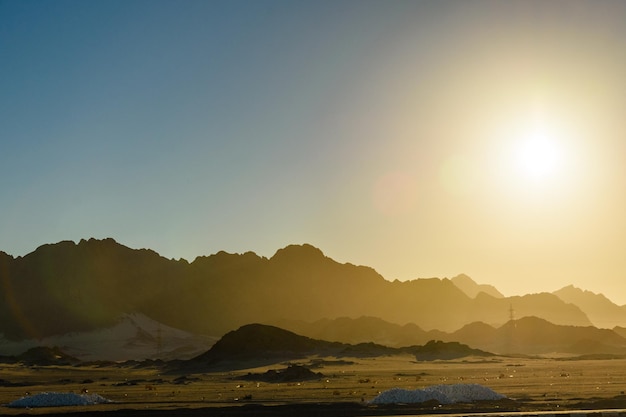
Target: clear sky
column 421, row 138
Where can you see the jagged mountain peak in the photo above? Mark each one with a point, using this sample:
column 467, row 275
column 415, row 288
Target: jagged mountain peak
column 4, row 255
column 92, row 245
column 226, row 258
column 299, row 253
column 85, row 286
column 601, row 311
column 472, row 289
column 573, row 291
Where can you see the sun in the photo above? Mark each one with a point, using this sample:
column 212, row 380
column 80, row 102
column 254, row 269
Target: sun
column 538, row 157
column 538, row 154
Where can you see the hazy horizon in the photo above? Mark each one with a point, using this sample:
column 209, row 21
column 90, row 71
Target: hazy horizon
column 422, row 139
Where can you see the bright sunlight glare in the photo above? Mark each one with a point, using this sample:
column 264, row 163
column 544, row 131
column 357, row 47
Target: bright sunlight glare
column 538, row 157
column 539, row 154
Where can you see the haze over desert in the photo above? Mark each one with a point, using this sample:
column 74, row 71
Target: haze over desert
column 313, row 207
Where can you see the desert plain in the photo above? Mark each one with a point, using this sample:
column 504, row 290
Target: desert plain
column 345, row 386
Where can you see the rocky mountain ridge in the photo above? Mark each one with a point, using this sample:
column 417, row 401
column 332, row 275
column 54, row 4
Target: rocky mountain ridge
column 78, row 287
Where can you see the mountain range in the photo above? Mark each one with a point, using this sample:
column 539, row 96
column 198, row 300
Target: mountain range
column 528, row 335
column 68, row 287
column 261, row 343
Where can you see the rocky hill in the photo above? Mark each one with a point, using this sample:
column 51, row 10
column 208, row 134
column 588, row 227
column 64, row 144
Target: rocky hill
column 264, row 344
column 41, row 356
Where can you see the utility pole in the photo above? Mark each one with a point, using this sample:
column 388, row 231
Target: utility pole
column 512, row 325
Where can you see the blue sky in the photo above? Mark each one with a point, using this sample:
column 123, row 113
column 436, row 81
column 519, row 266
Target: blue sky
column 373, row 130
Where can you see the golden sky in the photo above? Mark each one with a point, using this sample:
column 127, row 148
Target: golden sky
column 425, row 138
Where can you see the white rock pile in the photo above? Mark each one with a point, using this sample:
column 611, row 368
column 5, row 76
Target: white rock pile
column 444, row 394
column 57, row 399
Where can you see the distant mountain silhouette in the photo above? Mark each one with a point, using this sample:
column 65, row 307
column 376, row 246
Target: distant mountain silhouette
column 601, row 311
column 362, row 330
column 68, row 287
column 529, row 335
column 535, row 335
column 471, row 288
column 620, row 331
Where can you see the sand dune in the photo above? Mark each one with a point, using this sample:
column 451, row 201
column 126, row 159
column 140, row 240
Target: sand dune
column 134, row 337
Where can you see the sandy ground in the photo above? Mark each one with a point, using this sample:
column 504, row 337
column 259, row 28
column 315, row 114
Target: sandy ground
column 346, row 388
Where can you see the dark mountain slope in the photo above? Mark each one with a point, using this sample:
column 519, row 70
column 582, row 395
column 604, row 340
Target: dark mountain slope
column 67, row 287
column 300, row 283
